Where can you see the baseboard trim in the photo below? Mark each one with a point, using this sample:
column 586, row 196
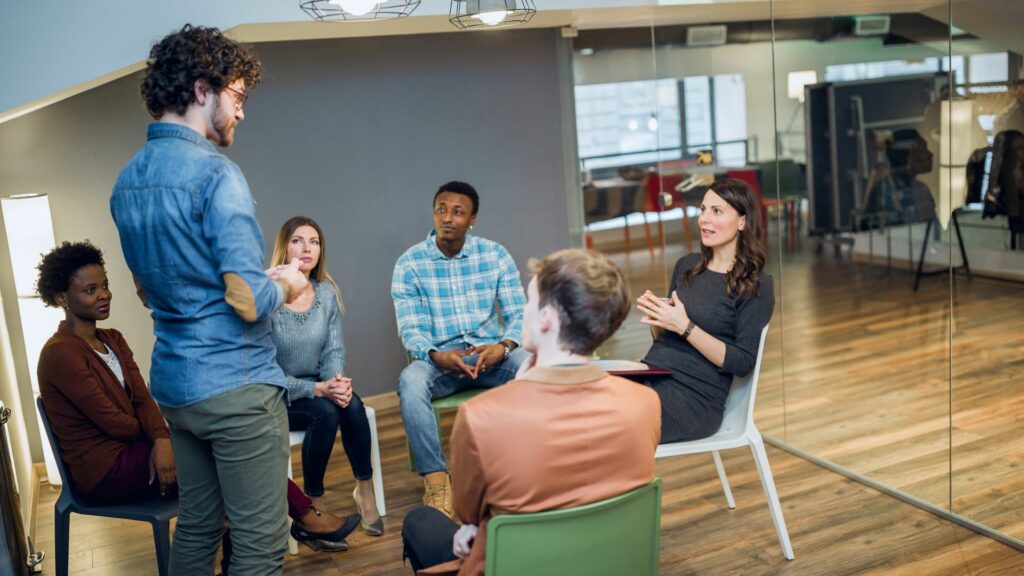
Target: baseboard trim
column 382, row 401
column 899, row 495
column 38, row 477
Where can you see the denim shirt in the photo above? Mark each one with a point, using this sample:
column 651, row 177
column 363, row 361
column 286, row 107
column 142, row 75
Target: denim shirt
column 186, row 218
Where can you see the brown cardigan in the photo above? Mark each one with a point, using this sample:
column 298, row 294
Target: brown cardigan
column 557, row 438
column 93, row 417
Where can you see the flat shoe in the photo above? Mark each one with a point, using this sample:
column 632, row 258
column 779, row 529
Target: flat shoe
column 327, row 541
column 375, row 528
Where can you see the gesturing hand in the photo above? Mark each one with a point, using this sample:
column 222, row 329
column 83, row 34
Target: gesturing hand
column 290, row 276
column 669, row 315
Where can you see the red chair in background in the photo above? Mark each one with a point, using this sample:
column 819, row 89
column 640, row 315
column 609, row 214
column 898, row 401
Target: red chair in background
column 655, row 185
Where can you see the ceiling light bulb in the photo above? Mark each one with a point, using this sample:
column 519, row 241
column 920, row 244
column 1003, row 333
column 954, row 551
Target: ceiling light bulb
column 356, row 7
column 492, row 18
column 652, row 123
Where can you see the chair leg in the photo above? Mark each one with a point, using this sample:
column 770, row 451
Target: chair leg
column 61, row 531
column 761, row 460
column 647, row 234
column 723, row 478
column 378, row 474
column 625, row 230
column 162, row 541
column 293, row 546
column 686, row 229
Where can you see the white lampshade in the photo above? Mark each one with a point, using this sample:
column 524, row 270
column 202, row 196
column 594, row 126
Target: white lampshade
column 955, row 145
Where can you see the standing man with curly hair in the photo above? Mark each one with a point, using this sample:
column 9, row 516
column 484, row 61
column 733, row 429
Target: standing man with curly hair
column 190, row 236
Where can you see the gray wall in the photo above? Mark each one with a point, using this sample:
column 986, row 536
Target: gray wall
column 357, row 133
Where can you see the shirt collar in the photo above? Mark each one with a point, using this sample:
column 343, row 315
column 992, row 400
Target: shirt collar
column 468, row 247
column 169, row 130
column 574, row 374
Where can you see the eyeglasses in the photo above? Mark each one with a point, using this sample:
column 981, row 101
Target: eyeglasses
column 240, row 97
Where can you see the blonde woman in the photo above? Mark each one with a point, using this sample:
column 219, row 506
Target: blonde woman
column 311, row 351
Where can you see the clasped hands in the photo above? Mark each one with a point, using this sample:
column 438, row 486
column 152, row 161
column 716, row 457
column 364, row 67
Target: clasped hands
column 487, row 356
column 669, row 315
column 337, row 390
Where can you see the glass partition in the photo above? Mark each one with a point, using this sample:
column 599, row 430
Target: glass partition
column 888, row 150
column 983, row 139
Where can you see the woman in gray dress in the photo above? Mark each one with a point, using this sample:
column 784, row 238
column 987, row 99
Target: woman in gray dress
column 709, row 328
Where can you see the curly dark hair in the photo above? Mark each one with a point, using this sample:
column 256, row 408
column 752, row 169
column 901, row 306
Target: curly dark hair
column 60, row 265
column 194, row 53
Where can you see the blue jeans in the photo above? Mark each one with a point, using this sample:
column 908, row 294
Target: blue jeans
column 321, row 419
column 422, row 382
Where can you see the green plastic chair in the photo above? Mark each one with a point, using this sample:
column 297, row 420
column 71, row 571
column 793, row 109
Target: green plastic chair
column 612, row 537
column 452, row 401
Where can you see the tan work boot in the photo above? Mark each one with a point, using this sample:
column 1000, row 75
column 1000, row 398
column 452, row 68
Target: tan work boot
column 437, row 492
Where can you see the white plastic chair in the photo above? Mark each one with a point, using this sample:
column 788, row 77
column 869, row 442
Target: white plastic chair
column 296, row 438
column 738, row 430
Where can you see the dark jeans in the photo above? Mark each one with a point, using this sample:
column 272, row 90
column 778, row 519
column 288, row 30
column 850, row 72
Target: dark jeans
column 128, row 478
column 321, row 419
column 427, row 537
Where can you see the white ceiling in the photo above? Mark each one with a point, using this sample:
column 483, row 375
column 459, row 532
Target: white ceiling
column 74, row 46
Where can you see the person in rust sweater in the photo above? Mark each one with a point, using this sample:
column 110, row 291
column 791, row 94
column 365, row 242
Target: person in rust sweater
column 115, row 442
column 562, row 434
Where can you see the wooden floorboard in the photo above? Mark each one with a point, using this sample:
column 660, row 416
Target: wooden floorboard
column 857, row 370
column 837, row 526
column 921, row 391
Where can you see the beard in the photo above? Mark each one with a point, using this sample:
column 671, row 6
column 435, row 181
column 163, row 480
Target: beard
column 223, row 128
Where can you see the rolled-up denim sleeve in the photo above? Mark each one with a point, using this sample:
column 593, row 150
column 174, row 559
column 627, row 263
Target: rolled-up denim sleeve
column 231, row 230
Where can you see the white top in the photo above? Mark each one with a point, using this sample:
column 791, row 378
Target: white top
column 111, row 359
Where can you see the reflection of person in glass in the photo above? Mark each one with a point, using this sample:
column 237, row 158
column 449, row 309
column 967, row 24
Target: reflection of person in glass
column 710, row 328
column 898, row 191
column 1005, row 193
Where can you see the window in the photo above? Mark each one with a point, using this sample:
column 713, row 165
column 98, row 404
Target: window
column 641, row 122
column 627, row 123
column 716, row 117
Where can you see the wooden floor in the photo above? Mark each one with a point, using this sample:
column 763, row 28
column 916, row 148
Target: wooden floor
column 837, row 527
column 922, row 391
column 857, row 370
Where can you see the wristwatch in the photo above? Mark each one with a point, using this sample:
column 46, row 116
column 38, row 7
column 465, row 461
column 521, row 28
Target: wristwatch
column 689, row 329
column 508, row 349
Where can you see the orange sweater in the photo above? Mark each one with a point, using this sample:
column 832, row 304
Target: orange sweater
column 559, row 437
column 93, row 417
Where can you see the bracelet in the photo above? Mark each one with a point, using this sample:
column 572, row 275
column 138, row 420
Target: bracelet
column 689, row 329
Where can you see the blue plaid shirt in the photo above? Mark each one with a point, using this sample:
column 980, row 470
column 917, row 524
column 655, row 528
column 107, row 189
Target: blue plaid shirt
column 446, row 303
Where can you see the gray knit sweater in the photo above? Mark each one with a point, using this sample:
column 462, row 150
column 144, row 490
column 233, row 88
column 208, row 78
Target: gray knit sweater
column 310, row 344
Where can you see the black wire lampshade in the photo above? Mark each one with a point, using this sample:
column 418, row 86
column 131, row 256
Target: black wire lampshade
column 490, row 13
column 345, row 10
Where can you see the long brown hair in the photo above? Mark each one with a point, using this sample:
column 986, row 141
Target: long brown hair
column 319, row 272
column 741, row 281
